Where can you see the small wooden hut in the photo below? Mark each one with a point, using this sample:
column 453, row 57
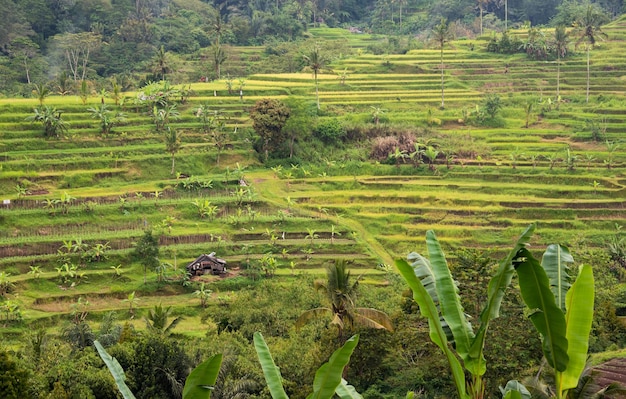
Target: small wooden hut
column 207, row 264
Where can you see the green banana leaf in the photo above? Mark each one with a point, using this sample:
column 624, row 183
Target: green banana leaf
column 555, row 262
column 495, row 293
column 448, row 294
column 546, row 316
column 346, row 391
column 437, row 334
column 328, row 376
column 424, row 272
column 515, row 390
column 579, row 317
column 201, row 380
column 270, row 371
column 116, row 370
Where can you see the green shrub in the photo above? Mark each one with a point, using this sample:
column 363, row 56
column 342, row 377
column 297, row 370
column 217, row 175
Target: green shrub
column 330, row 131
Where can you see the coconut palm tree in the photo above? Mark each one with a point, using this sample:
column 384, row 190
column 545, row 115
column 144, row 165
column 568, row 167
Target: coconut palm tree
column 341, row 294
column 441, row 35
column 157, row 319
column 589, row 31
column 561, row 40
column 172, row 144
column 316, row 61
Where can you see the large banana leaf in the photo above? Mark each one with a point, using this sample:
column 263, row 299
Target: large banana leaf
column 270, row 371
column 555, row 262
column 328, row 376
column 116, row 371
column 437, row 335
column 346, row 391
column 515, row 390
column 495, row 293
column 201, row 380
column 579, row 317
column 424, row 272
column 448, row 294
column 547, row 317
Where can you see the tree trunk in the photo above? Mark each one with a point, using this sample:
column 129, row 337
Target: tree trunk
column 558, row 74
column 27, row 71
column 317, row 94
column 480, row 6
column 441, row 66
column 173, row 165
column 588, row 47
column 506, row 15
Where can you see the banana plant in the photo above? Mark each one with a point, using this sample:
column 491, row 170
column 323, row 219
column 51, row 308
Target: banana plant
column 328, row 380
column 198, row 384
column 561, row 312
column 436, row 293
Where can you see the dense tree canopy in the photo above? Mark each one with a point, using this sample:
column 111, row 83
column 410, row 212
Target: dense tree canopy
column 44, row 39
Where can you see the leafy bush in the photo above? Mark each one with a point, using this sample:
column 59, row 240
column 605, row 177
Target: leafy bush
column 330, row 131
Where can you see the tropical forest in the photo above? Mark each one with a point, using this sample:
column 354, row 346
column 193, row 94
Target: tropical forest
column 375, row 199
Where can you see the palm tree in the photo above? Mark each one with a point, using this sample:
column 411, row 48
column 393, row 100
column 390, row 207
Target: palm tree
column 315, row 62
column 589, row 31
column 230, row 383
column 41, row 91
column 157, row 318
column 172, row 144
column 160, row 62
column 341, row 294
column 441, row 35
column 561, row 40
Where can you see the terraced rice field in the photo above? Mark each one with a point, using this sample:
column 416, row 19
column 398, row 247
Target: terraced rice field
column 353, row 208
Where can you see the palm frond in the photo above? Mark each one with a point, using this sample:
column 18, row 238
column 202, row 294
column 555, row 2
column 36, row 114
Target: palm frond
column 373, row 318
column 311, row 314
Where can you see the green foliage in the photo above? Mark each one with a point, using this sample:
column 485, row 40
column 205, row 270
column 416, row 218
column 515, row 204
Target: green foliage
column 157, row 320
column 50, row 118
column 201, row 380
column 437, row 295
column 341, row 295
column 14, row 378
column 156, row 366
column 268, row 119
column 330, row 131
column 327, row 380
column 147, row 252
column 116, row 371
column 565, row 331
column 492, row 104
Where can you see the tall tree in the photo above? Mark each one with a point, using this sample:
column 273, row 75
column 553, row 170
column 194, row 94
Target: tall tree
column 561, row 39
column 172, row 145
column 24, row 49
column 341, row 294
column 441, row 35
column 589, row 31
column 77, row 48
column 268, row 119
column 316, row 61
column 147, row 252
column 161, row 63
